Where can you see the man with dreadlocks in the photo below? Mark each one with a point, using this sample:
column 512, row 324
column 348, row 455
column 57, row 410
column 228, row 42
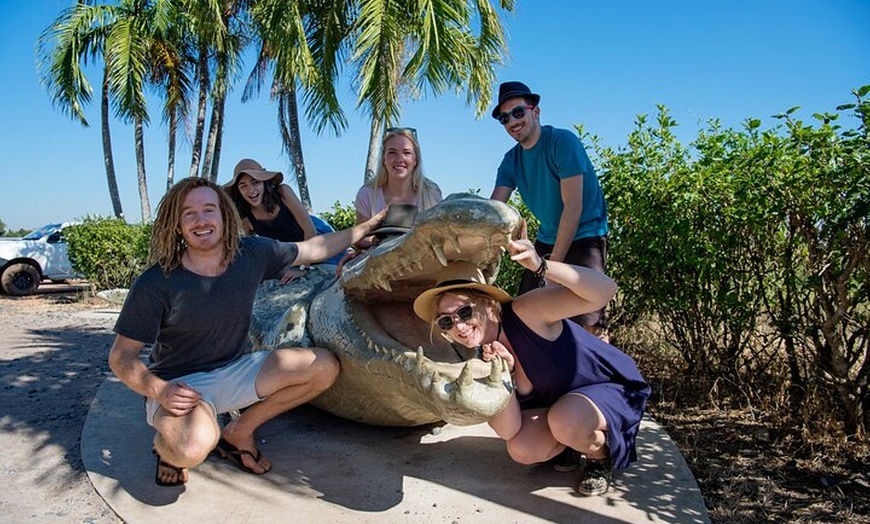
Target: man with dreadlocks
column 193, row 304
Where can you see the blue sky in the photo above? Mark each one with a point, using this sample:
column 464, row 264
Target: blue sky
column 599, row 64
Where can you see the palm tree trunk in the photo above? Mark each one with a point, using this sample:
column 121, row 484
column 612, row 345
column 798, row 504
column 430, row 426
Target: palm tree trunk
column 173, row 130
column 220, row 104
column 108, row 158
column 202, row 69
column 208, row 165
column 374, row 150
column 140, row 171
column 288, row 119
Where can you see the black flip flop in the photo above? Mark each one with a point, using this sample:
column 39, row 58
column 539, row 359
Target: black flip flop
column 234, row 455
column 162, row 463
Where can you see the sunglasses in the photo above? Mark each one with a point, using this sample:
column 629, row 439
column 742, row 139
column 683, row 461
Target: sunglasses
column 463, row 314
column 411, row 130
column 517, row 112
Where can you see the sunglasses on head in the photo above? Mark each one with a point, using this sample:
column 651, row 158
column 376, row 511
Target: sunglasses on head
column 411, row 130
column 517, row 112
column 463, row 314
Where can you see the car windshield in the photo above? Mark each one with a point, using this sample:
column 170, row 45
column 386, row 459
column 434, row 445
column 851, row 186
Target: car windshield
column 43, row 231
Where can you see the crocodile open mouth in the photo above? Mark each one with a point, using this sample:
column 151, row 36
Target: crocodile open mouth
column 395, row 370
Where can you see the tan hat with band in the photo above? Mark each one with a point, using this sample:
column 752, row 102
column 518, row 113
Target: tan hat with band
column 457, row 275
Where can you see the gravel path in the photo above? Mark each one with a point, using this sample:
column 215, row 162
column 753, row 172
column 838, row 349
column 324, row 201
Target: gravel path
column 53, row 348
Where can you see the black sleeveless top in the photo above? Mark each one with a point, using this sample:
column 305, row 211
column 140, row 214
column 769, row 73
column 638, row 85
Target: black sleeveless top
column 283, row 227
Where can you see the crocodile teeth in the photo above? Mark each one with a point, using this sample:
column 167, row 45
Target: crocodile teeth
column 420, row 361
column 495, row 371
column 465, row 377
column 439, row 254
column 454, row 242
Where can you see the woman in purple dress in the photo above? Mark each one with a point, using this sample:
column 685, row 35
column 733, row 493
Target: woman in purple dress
column 572, row 390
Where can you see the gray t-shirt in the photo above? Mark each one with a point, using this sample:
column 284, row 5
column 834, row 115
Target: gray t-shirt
column 198, row 323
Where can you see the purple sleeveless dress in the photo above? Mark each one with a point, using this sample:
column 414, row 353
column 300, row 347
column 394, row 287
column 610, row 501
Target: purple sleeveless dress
column 579, row 362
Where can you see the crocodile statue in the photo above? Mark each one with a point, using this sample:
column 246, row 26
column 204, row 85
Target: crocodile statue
column 394, row 370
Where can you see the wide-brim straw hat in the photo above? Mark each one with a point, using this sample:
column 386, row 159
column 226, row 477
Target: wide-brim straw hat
column 457, row 275
column 254, row 170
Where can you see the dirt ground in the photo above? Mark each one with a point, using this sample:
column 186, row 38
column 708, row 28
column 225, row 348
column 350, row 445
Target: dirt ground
column 54, row 350
column 54, row 347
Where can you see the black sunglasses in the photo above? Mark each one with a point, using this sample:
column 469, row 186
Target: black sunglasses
column 463, row 314
column 517, row 112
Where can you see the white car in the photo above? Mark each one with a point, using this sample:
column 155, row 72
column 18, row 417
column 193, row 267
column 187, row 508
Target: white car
column 25, row 262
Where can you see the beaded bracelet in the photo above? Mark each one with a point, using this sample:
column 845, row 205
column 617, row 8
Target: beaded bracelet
column 539, row 273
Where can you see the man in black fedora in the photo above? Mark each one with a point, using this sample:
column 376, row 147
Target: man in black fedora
column 557, row 182
column 556, row 179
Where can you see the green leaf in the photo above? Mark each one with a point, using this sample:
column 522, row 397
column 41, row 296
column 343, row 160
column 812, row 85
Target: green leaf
column 864, row 90
column 792, row 110
column 845, row 107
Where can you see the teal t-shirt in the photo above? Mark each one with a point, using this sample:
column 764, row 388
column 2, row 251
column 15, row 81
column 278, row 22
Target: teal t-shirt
column 537, row 173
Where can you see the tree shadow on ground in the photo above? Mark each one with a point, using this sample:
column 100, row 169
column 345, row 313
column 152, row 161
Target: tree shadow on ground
column 48, row 379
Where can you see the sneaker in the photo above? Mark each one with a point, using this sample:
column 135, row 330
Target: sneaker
column 595, row 477
column 567, row 460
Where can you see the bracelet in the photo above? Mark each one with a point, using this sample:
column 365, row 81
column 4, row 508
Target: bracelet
column 539, row 273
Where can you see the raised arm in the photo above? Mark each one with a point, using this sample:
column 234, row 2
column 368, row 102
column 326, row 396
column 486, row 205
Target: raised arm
column 571, row 290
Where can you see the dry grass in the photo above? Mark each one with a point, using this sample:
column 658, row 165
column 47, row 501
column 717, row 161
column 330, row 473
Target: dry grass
column 753, row 462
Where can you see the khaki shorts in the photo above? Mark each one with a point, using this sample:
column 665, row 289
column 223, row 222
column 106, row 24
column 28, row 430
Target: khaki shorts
column 226, row 388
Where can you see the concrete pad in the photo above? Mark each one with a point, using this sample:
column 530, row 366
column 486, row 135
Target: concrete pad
column 327, row 469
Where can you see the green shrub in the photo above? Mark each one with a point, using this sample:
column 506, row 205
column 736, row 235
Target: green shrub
column 341, row 217
column 510, row 273
column 108, row 251
column 750, row 249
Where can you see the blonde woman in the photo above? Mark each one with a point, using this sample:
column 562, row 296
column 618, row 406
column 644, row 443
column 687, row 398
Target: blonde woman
column 399, row 180
column 572, row 390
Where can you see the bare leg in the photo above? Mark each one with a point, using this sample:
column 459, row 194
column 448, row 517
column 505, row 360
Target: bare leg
column 507, row 422
column 288, row 378
column 184, row 441
column 576, row 421
column 533, row 443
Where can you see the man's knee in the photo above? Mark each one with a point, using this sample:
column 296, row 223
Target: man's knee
column 187, row 446
column 326, row 368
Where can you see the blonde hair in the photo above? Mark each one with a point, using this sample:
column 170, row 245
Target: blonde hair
column 168, row 245
column 382, row 176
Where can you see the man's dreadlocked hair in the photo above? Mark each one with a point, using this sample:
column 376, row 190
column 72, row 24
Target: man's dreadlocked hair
column 167, row 244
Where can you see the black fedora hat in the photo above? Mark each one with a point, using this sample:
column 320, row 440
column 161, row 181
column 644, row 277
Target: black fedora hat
column 399, row 219
column 508, row 90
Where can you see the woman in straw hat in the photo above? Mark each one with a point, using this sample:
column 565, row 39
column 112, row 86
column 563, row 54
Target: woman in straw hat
column 572, row 390
column 268, row 207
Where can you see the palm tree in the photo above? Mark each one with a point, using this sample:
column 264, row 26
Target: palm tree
column 230, row 46
column 399, row 47
column 127, row 57
column 208, row 30
column 300, row 42
column 170, row 67
column 74, row 38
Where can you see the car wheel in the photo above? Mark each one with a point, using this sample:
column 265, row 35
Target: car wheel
column 20, row 279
